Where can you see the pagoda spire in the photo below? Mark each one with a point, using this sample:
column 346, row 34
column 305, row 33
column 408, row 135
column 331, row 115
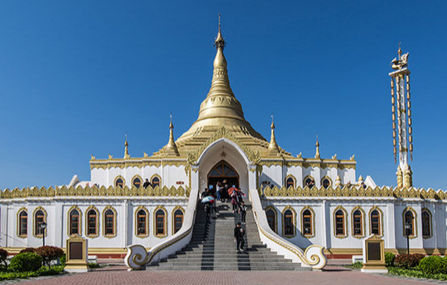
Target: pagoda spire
column 402, row 123
column 171, row 147
column 126, row 148
column 317, row 151
column 273, row 146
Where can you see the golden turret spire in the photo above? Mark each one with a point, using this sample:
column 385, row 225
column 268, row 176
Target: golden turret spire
column 220, row 109
column 317, row 152
column 273, row 146
column 171, row 147
column 126, row 148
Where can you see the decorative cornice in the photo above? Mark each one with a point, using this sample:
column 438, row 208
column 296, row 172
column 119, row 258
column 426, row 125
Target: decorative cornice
column 122, row 163
column 355, row 191
column 193, row 156
column 94, row 191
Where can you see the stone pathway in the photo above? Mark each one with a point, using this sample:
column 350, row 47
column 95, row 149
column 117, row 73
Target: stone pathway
column 332, row 275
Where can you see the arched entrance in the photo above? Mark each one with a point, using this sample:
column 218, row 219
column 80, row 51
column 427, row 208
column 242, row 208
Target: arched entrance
column 223, row 171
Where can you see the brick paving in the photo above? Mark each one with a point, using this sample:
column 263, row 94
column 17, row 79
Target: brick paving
column 119, row 275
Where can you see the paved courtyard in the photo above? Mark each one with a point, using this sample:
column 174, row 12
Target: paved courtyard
column 119, row 275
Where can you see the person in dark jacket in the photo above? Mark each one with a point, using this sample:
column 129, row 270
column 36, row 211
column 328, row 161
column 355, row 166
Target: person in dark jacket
column 239, row 233
column 147, row 183
column 243, row 210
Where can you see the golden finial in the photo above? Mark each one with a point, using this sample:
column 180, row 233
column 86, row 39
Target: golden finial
column 171, row 146
column 399, row 52
column 126, row 148
column 317, row 152
column 273, row 146
column 110, row 156
column 92, row 157
column 219, row 42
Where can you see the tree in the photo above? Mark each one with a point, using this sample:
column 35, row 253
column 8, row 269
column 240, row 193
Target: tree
column 49, row 253
column 3, row 256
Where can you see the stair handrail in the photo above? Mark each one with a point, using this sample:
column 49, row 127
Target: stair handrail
column 313, row 256
column 138, row 256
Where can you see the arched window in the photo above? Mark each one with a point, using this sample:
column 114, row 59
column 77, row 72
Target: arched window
column 340, row 223
column 119, row 183
column 290, row 182
column 357, row 222
column 178, row 220
column 289, row 227
column 271, row 219
column 375, row 222
column 142, row 229
column 92, row 223
column 109, row 223
column 160, row 220
column 309, row 182
column 409, row 221
column 39, row 218
column 326, row 183
column 74, row 222
column 307, row 229
column 23, row 224
column 155, row 181
column 136, row 182
column 426, row 224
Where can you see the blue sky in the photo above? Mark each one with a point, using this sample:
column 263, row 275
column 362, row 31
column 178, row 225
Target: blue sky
column 75, row 76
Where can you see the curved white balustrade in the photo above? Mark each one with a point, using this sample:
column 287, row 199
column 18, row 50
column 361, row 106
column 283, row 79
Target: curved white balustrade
column 313, row 256
column 137, row 257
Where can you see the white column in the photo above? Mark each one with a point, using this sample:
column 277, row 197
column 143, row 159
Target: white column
column 127, row 225
column 390, row 226
column 324, row 225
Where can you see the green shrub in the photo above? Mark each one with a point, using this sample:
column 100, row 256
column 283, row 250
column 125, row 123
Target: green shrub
column 3, row 256
column 26, row 261
column 63, row 259
column 49, row 253
column 408, row 260
column 389, row 259
column 433, row 264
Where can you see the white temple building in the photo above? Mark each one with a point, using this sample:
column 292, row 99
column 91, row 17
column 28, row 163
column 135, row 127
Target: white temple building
column 315, row 203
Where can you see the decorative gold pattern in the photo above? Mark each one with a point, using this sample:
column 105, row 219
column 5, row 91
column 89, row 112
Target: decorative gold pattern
column 96, row 222
column 136, row 222
column 34, row 221
column 18, row 222
column 193, row 156
column 79, row 220
column 134, row 162
column 363, row 222
column 93, row 191
column 293, row 221
column 115, row 222
column 355, row 191
column 345, row 222
column 313, row 233
column 155, row 222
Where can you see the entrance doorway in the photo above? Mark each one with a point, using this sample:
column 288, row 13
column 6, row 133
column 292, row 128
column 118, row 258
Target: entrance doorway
column 220, row 172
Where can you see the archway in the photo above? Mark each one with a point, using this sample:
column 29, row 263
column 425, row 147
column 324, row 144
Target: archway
column 223, row 171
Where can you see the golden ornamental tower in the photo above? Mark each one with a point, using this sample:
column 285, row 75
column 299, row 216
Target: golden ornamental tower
column 401, row 104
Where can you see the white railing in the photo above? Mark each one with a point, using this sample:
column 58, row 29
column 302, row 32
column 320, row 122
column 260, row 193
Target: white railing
column 138, row 257
column 313, row 256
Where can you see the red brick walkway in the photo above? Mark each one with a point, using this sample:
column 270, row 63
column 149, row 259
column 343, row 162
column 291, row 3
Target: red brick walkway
column 119, row 275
